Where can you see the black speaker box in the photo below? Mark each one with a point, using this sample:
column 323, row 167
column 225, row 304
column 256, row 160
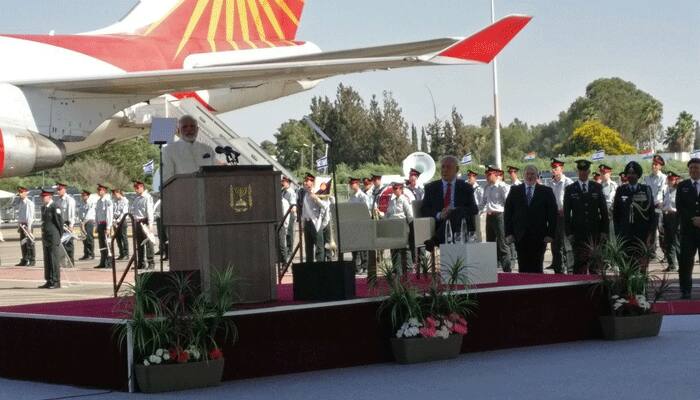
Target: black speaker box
column 324, row 281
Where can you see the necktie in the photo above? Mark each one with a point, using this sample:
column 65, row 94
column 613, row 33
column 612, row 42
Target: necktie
column 584, row 188
column 529, row 195
column 448, row 196
column 696, row 188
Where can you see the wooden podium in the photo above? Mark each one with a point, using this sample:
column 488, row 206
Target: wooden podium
column 226, row 216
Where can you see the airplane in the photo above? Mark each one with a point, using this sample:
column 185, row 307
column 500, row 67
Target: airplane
column 64, row 94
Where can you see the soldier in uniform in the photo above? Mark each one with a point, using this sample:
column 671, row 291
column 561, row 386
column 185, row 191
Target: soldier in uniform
column 367, row 186
column 597, row 177
column 86, row 215
column 66, row 203
column 287, row 235
column 377, row 189
column 609, row 189
column 104, row 216
column 414, row 191
column 558, row 183
column 623, row 178
column 688, row 206
column 513, row 173
column 633, row 212
column 121, row 208
column 399, row 208
column 670, row 222
column 359, row 258
column 144, row 218
column 493, row 202
column 25, row 219
column 312, row 212
column 478, row 199
column 162, row 232
column 51, row 232
column 657, row 182
column 585, row 216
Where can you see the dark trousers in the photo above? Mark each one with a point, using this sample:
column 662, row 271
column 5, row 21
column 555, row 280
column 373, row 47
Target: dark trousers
column 581, row 247
column 122, row 239
column 51, row 260
column 105, row 260
column 690, row 244
column 286, row 240
column 145, row 249
column 495, row 232
column 671, row 240
column 359, row 259
column 162, row 237
column 70, row 250
column 314, row 249
column 399, row 258
column 530, row 254
column 559, row 247
column 89, row 242
column 27, row 247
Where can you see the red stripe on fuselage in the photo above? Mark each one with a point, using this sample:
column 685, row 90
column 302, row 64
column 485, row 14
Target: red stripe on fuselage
column 194, row 95
column 138, row 53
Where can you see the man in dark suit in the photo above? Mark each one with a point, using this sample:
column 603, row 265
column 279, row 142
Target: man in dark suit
column 585, row 216
column 634, row 217
column 51, row 232
column 530, row 220
column 449, row 199
column 688, row 206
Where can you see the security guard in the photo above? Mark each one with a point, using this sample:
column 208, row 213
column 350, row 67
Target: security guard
column 144, row 218
column 633, row 212
column 359, row 258
column 670, row 222
column 559, row 246
column 289, row 197
column 121, row 208
column 51, row 232
column 104, row 216
column 657, row 182
column 585, row 217
column 66, row 203
column 493, row 203
column 86, row 215
column 513, row 173
column 688, row 206
column 25, row 219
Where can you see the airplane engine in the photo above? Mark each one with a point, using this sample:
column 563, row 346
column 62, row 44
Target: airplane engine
column 23, row 152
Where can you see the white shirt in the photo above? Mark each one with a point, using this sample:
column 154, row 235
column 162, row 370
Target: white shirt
column 361, row 197
column 657, row 183
column 87, row 210
column 25, row 211
column 104, row 210
column 669, row 199
column 183, row 157
column 558, row 189
column 399, row 208
column 478, row 194
column 313, row 211
column 67, row 205
column 609, row 189
column 143, row 208
column 494, row 197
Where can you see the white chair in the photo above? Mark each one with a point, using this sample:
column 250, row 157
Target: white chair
column 423, row 225
column 358, row 232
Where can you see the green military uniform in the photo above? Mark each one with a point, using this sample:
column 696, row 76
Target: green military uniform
column 51, row 232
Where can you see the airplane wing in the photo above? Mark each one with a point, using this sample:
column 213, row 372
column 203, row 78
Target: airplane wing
column 480, row 48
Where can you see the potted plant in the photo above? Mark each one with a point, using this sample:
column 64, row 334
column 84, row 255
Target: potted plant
column 178, row 334
column 429, row 325
column 625, row 286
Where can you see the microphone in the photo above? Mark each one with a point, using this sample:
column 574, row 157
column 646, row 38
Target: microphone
column 219, row 150
column 231, row 154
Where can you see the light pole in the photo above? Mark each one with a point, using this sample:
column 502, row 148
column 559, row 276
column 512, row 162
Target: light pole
column 301, row 165
column 496, row 108
column 312, row 157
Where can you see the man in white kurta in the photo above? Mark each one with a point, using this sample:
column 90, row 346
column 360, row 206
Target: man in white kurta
column 186, row 155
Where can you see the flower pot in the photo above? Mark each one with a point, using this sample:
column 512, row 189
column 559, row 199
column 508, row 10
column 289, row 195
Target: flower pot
column 416, row 350
column 169, row 377
column 630, row 327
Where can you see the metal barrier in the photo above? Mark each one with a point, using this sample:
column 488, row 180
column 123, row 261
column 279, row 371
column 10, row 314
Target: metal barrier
column 283, row 267
column 132, row 261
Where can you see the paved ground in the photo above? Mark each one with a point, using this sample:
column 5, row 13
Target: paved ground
column 663, row 367
column 18, row 285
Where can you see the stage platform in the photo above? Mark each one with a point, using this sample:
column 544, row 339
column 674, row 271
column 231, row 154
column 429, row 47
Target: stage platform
column 73, row 342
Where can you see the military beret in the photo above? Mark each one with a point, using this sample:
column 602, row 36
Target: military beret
column 414, row 172
column 353, row 180
column 513, row 169
column 583, row 165
column 47, row 192
column 604, row 168
column 556, row 163
column 657, row 159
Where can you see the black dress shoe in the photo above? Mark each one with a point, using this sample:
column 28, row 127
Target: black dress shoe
column 54, row 286
column 429, row 245
column 100, row 266
column 45, row 286
column 669, row 269
column 31, row 264
column 685, row 296
column 21, row 263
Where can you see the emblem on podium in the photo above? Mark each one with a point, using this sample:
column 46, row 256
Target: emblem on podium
column 240, row 198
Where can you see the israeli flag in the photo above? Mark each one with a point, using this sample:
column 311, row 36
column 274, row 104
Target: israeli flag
column 467, row 159
column 148, row 168
column 322, row 163
column 598, row 155
column 530, row 156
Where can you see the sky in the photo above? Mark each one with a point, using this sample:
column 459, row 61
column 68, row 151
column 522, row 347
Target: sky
column 568, row 44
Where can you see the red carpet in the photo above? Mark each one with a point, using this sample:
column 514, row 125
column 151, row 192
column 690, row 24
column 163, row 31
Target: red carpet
column 110, row 307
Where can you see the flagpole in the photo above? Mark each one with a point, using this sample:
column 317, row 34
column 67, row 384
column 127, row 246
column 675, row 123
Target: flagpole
column 496, row 108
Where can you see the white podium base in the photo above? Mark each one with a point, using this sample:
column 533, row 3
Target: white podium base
column 479, row 258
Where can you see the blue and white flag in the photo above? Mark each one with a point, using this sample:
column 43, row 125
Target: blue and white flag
column 530, row 156
column 322, row 163
column 148, row 168
column 598, row 155
column 467, row 159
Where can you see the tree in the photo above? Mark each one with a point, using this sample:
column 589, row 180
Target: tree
column 269, row 147
column 292, row 136
column 681, row 136
column 424, row 141
column 594, row 135
column 697, row 135
column 414, row 138
column 434, row 132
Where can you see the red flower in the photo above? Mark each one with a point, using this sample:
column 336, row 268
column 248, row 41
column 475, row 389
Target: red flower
column 173, row 355
column 183, row 357
column 215, row 354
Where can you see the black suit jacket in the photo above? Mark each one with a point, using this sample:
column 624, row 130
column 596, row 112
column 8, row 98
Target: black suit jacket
column 464, row 203
column 633, row 212
column 51, row 225
column 585, row 214
column 687, row 204
column 538, row 220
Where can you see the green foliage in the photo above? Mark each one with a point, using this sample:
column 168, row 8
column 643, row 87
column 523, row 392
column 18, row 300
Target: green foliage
column 681, row 135
column 594, row 135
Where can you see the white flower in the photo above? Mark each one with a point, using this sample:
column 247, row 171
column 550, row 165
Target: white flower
column 615, row 297
column 154, row 359
column 412, row 331
column 414, row 322
column 166, row 356
column 159, row 352
column 146, row 363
